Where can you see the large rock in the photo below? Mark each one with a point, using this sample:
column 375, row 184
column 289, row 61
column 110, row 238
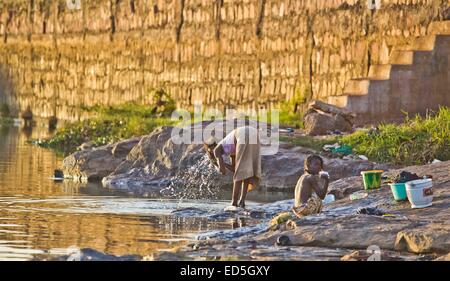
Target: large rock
column 157, row 162
column 322, row 119
column 94, row 164
column 322, row 123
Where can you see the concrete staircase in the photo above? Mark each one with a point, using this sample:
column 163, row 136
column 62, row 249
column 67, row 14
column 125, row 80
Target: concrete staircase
column 416, row 79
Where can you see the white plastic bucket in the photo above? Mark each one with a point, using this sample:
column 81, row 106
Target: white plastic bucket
column 420, row 193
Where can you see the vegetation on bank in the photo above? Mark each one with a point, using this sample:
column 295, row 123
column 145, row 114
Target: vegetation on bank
column 112, row 124
column 419, row 140
column 291, row 112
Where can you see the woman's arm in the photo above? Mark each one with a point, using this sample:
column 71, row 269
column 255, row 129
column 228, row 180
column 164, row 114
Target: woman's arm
column 218, row 152
column 233, row 164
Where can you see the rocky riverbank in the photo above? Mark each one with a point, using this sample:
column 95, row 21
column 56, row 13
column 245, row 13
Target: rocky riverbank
column 154, row 161
column 339, row 232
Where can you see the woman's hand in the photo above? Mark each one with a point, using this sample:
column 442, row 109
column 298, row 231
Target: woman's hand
column 229, row 167
column 222, row 168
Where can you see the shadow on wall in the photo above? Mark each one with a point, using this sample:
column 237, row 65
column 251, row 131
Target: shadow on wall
column 7, row 95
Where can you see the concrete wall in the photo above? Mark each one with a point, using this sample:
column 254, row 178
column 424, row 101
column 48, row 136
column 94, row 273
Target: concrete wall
column 244, row 53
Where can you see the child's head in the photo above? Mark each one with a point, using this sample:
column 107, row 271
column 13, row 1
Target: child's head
column 313, row 164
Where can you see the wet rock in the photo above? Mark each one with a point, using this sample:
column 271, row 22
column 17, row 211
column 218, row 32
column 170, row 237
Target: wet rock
column 156, row 158
column 27, row 114
column 189, row 212
column 156, row 162
column 94, row 164
column 405, row 234
column 347, row 232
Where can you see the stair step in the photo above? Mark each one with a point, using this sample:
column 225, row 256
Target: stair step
column 378, row 87
column 362, row 95
column 401, row 57
column 379, row 71
column 442, row 41
column 357, row 86
column 422, row 43
column 355, row 104
column 339, row 101
column 440, row 27
column 422, row 57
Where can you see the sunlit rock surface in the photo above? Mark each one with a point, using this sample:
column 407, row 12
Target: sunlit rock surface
column 405, row 234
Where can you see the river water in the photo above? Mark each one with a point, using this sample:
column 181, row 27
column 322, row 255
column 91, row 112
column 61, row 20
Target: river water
column 42, row 217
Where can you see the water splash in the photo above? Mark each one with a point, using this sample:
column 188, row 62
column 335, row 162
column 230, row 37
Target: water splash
column 200, row 181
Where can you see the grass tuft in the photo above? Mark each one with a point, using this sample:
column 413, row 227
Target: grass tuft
column 111, row 125
column 417, row 141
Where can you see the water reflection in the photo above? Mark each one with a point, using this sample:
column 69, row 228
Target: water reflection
column 39, row 215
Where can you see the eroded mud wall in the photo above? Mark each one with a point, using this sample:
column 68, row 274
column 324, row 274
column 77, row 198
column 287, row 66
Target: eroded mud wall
column 245, row 53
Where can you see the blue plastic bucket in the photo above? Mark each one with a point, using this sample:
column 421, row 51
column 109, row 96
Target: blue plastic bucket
column 399, row 191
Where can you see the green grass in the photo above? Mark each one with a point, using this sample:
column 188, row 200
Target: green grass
column 417, row 141
column 291, row 112
column 111, row 124
column 291, row 119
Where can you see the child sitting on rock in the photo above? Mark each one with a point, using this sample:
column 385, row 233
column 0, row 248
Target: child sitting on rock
column 311, row 189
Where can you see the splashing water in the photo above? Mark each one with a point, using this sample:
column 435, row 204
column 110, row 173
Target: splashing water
column 200, row 181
